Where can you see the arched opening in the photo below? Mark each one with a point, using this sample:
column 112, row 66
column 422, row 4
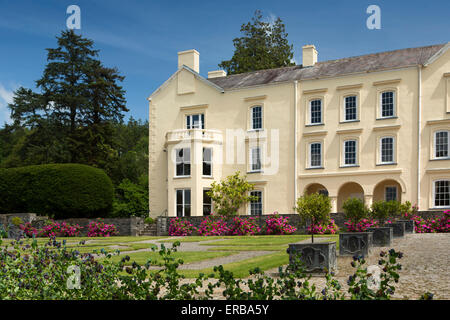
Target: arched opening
column 349, row 190
column 387, row 190
column 316, row 188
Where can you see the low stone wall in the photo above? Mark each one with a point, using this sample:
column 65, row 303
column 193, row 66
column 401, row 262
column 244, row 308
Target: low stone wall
column 163, row 223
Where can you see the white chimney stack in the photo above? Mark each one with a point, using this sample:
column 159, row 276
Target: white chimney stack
column 217, row 74
column 189, row 58
column 309, row 55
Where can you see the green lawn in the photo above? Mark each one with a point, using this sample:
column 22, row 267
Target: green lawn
column 229, row 245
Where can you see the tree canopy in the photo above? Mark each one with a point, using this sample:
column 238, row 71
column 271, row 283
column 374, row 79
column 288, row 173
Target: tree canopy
column 264, row 45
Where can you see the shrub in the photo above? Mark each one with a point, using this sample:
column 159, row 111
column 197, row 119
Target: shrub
column 213, row 226
column 432, row 224
column 180, row 227
column 243, row 227
column 279, row 225
column 230, row 194
column 29, row 230
column 327, row 228
column 360, row 226
column 16, row 221
column 355, row 210
column 150, row 220
column 130, row 200
column 56, row 190
column 315, row 208
column 101, row 229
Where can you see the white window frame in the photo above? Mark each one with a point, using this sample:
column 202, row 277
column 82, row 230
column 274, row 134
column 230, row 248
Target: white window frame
column 345, row 108
column 191, row 124
column 252, row 126
column 381, row 150
column 356, row 153
column 183, row 200
column 183, row 162
column 394, row 104
column 434, row 193
column 310, row 111
column 310, row 154
column 210, row 161
column 385, row 192
column 448, row 144
column 251, row 202
column 251, row 159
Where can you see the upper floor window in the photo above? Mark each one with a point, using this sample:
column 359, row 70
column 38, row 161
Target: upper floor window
column 315, row 107
column 315, row 155
column 256, row 205
column 350, row 156
column 183, row 202
column 207, row 162
column 442, row 193
column 183, row 162
column 387, row 150
column 350, row 108
column 195, row 121
column 441, row 144
column 387, row 100
column 255, row 159
column 256, row 118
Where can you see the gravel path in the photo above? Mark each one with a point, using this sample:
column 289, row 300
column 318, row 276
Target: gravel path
column 425, row 266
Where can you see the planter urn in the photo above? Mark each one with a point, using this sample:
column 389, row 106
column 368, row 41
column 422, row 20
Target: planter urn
column 398, row 228
column 355, row 243
column 315, row 257
column 409, row 225
column 382, row 236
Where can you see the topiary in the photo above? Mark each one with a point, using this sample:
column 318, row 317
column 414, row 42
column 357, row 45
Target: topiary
column 56, row 190
column 355, row 210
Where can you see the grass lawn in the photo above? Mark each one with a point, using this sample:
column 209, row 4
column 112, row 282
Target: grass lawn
column 228, row 245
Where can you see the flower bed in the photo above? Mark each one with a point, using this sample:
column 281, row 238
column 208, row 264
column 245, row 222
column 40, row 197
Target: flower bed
column 179, row 227
column 243, row 227
column 64, row 229
column 279, row 225
column 330, row 228
column 212, row 226
column 360, row 226
column 433, row 224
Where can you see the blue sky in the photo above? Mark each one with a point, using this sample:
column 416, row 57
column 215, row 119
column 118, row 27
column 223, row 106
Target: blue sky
column 142, row 38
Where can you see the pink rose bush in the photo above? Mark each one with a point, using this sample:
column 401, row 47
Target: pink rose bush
column 101, row 229
column 243, row 227
column 52, row 229
column 327, row 228
column 212, row 226
column 433, row 224
column 279, row 225
column 362, row 225
column 180, row 227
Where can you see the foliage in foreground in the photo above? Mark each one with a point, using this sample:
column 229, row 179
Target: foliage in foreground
column 50, row 271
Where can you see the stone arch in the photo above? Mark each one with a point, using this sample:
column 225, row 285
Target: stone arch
column 315, row 188
column 380, row 189
column 349, row 190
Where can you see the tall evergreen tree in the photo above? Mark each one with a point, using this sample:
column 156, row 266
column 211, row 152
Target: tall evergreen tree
column 263, row 46
column 70, row 117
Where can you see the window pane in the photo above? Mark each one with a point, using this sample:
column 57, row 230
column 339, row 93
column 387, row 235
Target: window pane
column 441, row 144
column 387, row 104
column 256, row 159
column 442, row 193
column 257, row 117
column 316, row 155
column 207, row 203
column 316, row 111
column 256, row 205
column 350, row 108
column 387, row 150
column 350, row 152
column 391, row 193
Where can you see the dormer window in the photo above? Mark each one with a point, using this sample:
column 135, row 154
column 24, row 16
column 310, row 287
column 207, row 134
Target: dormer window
column 256, row 118
column 195, row 121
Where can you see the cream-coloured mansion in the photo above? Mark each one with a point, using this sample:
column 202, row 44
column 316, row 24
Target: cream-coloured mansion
column 374, row 127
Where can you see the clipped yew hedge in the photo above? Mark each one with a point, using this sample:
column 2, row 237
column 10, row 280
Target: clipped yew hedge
column 56, row 190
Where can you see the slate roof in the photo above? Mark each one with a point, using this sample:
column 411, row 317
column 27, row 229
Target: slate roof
column 366, row 63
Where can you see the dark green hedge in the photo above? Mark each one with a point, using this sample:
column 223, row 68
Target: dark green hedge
column 56, row 190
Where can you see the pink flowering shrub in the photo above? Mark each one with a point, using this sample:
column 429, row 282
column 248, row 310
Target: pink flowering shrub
column 362, row 225
column 330, row 228
column 212, row 226
column 180, row 227
column 279, row 225
column 242, row 227
column 432, row 224
column 52, row 229
column 101, row 229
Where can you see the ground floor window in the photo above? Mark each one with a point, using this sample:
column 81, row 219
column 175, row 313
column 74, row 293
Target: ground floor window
column 256, row 206
column 390, row 193
column 207, row 203
column 183, row 199
column 442, row 193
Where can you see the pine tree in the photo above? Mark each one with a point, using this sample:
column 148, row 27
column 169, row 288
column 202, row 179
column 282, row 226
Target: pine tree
column 263, row 46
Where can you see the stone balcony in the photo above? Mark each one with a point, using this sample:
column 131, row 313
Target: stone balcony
column 185, row 135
